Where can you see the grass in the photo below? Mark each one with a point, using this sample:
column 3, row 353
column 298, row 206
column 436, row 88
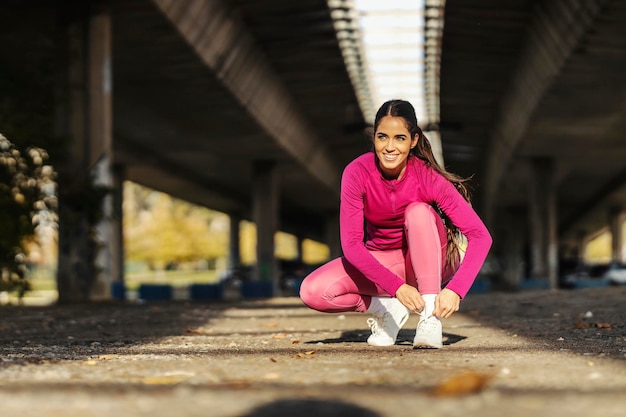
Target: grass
column 45, row 280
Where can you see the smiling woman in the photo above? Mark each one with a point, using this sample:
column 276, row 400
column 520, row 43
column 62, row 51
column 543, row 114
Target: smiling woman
column 392, row 143
column 413, row 211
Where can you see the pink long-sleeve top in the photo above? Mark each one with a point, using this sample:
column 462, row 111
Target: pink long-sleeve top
column 368, row 198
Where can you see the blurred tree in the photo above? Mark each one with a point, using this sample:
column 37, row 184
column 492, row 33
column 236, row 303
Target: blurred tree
column 161, row 230
column 26, row 192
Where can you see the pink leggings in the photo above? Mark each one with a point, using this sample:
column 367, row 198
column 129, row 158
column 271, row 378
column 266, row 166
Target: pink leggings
column 338, row 286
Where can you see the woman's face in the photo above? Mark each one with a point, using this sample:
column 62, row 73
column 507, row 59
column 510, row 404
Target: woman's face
column 392, row 144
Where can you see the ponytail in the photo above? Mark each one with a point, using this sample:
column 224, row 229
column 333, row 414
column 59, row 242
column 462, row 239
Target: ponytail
column 424, row 151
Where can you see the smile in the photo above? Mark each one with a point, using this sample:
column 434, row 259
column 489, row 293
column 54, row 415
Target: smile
column 390, row 157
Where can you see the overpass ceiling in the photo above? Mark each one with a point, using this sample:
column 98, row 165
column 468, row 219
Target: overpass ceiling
column 580, row 119
column 178, row 128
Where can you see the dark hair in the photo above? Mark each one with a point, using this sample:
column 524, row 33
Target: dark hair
column 423, row 151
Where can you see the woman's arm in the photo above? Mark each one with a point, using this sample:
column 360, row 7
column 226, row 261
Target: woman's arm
column 463, row 216
column 351, row 221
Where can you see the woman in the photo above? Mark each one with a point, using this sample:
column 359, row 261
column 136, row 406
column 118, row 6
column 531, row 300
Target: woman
column 400, row 216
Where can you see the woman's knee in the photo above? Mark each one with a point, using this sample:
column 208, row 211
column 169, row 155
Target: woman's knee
column 420, row 212
column 307, row 292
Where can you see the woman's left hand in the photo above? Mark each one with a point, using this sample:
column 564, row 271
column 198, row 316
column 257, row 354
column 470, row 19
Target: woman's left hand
column 447, row 303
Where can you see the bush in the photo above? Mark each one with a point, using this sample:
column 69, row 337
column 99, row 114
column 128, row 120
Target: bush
column 27, row 199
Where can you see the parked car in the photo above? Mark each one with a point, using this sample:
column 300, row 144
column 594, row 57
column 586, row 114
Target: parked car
column 616, row 274
column 585, row 276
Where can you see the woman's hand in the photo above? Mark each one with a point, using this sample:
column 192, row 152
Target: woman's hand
column 410, row 297
column 447, row 303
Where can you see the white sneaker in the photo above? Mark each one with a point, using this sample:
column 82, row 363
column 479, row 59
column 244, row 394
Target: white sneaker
column 429, row 333
column 389, row 317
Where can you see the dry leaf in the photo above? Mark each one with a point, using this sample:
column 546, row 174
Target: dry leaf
column 310, row 352
column 295, row 342
column 194, row 331
column 582, row 325
column 463, row 384
column 604, row 325
column 273, row 360
column 237, row 383
column 107, row 357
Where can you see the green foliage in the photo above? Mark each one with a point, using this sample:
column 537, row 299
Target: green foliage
column 26, row 200
column 161, row 230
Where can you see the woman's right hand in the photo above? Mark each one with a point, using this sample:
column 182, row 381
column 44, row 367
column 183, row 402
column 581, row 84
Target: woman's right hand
column 410, row 297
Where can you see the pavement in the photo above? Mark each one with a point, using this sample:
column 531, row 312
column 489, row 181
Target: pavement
column 533, row 353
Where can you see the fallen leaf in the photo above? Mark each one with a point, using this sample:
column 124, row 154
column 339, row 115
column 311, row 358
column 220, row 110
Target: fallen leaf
column 107, row 357
column 604, row 325
column 194, row 331
column 273, row 360
column 295, row 342
column 237, row 383
column 582, row 325
column 467, row 383
column 310, row 352
column 304, row 355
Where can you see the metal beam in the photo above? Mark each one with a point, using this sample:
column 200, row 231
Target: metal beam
column 224, row 44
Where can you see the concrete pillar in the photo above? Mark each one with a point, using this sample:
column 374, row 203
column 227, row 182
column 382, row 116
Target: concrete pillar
column 580, row 247
column 300, row 248
column 234, row 249
column 86, row 266
column 265, row 216
column 332, row 236
column 512, row 247
column 100, row 156
column 543, row 227
column 616, row 222
column 117, row 225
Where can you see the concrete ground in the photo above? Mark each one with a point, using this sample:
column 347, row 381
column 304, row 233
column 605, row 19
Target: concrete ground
column 541, row 353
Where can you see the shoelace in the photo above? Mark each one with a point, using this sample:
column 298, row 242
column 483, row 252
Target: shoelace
column 428, row 325
column 378, row 324
column 373, row 323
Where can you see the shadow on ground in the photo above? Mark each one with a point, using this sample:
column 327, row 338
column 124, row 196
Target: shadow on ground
column 405, row 337
column 55, row 333
column 585, row 321
column 310, row 408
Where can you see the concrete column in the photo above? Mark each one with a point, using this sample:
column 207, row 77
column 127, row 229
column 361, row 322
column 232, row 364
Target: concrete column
column 265, row 216
column 616, row 224
column 117, row 225
column 100, row 156
column 543, row 227
column 234, row 249
column 86, row 266
column 512, row 247
column 580, row 247
column 332, row 235
column 300, row 244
